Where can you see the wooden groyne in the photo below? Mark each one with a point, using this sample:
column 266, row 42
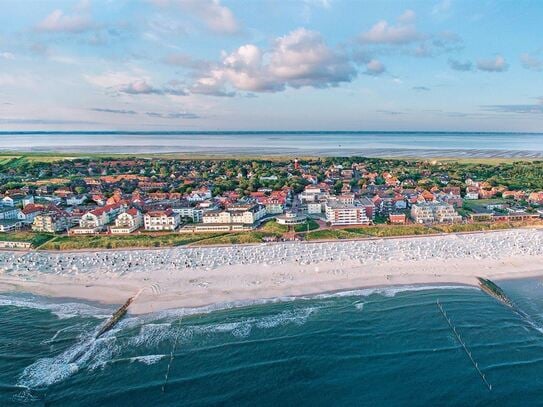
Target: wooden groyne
column 494, row 291
column 117, row 315
column 466, row 350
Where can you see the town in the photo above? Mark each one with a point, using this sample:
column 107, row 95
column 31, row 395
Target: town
column 281, row 199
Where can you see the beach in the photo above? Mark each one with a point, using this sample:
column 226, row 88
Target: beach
column 231, row 275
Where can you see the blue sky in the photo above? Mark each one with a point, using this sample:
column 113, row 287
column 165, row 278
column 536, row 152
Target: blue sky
column 271, row 64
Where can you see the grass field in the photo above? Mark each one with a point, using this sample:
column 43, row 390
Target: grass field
column 309, row 224
column 272, row 226
column 117, row 242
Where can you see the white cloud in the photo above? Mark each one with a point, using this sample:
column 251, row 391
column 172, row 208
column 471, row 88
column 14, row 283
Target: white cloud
column 133, row 84
column 216, row 17
column 375, row 67
column 58, row 22
column 382, row 32
column 497, row 64
column 300, row 58
column 7, row 55
column 407, row 17
column 531, row 62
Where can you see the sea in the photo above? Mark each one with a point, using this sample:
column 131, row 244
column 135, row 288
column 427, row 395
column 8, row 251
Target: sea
column 389, row 346
column 282, row 143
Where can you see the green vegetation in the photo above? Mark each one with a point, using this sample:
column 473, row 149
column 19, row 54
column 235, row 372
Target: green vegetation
column 272, row 226
column 235, row 238
column 408, row 230
column 309, row 224
column 117, row 242
column 36, row 239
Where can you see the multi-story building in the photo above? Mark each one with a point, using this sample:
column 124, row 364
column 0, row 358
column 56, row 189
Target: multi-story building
column 51, row 222
column 161, row 220
column 127, row 222
column 429, row 212
column 241, row 214
column 96, row 220
column 346, row 212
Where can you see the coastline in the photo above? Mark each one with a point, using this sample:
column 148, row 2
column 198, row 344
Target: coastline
column 251, row 274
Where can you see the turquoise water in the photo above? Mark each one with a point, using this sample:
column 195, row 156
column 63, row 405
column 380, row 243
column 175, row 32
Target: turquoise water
column 371, row 347
column 316, row 143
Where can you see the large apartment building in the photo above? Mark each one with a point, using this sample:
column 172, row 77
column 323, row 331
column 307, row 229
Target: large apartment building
column 161, row 220
column 127, row 222
column 430, row 212
column 236, row 214
column 51, row 222
column 345, row 210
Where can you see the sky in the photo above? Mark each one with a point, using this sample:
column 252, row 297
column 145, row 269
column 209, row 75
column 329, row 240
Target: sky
column 435, row 65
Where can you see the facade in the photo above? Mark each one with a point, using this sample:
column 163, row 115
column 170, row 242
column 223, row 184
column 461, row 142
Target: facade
column 96, row 220
column 50, row 222
column 194, row 213
column 127, row 222
column 342, row 214
column 291, row 218
column 215, row 227
column 161, row 220
column 430, row 212
column 314, row 207
column 242, row 214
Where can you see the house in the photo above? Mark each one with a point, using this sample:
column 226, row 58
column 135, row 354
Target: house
column 127, row 222
column 30, row 212
column 76, row 200
column 397, row 218
column 536, row 198
column 161, row 220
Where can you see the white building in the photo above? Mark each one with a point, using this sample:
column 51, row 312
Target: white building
column 50, row 222
column 161, row 220
column 429, row 212
column 127, row 222
column 242, row 214
column 96, row 220
column 339, row 213
column 314, row 207
column 195, row 213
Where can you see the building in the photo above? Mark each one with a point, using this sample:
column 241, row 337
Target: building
column 193, row 212
column 430, row 212
column 291, row 219
column 51, row 222
column 397, row 218
column 96, row 220
column 247, row 214
column 161, row 220
column 127, row 222
column 314, row 207
column 341, row 213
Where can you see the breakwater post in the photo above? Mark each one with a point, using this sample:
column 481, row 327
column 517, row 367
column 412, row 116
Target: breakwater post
column 461, row 341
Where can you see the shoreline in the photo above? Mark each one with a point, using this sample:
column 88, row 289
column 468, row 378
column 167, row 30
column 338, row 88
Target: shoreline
column 196, row 277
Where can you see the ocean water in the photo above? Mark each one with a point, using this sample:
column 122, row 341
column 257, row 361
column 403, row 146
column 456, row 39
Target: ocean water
column 380, row 347
column 420, row 144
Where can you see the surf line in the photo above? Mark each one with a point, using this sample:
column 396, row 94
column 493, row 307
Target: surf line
column 461, row 341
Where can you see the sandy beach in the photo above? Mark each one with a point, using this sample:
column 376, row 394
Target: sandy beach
column 203, row 276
